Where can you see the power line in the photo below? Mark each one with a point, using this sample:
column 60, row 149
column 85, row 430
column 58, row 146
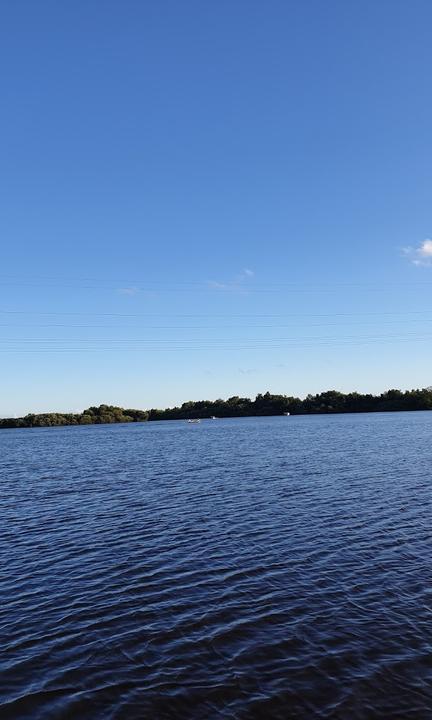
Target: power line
column 50, row 313
column 210, row 342
column 243, row 282
column 209, row 339
column 143, row 349
column 208, row 327
column 228, row 287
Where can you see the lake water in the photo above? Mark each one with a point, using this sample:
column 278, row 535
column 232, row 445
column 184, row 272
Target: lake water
column 257, row 568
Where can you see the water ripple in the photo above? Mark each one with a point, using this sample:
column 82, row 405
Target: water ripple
column 260, row 568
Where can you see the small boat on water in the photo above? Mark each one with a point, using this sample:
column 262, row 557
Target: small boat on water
column 194, row 420
column 287, row 414
column 213, row 417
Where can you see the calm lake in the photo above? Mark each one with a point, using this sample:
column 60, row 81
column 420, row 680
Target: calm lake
column 256, row 568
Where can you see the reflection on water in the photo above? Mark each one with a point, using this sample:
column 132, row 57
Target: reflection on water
column 257, row 568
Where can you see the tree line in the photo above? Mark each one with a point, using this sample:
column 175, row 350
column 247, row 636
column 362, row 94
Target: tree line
column 92, row 416
column 328, row 402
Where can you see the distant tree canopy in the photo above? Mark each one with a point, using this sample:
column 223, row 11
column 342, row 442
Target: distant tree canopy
column 91, row 416
column 330, row 401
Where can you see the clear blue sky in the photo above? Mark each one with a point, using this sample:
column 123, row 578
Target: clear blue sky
column 205, row 199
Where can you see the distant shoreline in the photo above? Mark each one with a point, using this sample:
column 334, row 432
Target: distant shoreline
column 331, row 402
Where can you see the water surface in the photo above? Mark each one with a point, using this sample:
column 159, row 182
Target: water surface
column 258, row 568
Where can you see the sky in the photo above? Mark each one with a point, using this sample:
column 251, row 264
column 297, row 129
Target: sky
column 200, row 200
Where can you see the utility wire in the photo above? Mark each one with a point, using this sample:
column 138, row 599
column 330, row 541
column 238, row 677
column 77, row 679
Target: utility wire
column 144, row 349
column 215, row 315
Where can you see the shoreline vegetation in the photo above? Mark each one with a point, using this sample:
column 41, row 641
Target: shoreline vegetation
column 330, row 402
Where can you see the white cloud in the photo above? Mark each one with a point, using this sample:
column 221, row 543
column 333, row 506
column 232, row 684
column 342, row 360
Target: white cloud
column 239, row 282
column 420, row 255
column 128, row 291
column 218, row 285
column 425, row 249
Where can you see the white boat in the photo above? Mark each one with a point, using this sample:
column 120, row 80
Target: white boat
column 213, row 417
column 287, row 414
column 194, row 420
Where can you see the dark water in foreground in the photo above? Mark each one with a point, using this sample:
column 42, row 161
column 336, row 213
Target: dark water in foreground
column 258, row 568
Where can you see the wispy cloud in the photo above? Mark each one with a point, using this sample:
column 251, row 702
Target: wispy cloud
column 420, row 255
column 128, row 291
column 240, row 282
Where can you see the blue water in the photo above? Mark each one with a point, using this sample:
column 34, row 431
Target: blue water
column 257, row 568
